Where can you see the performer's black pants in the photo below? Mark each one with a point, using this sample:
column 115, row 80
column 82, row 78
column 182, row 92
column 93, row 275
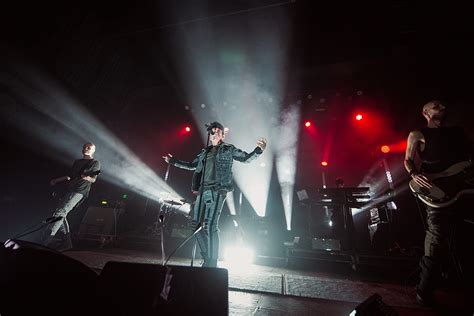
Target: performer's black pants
column 439, row 225
column 208, row 238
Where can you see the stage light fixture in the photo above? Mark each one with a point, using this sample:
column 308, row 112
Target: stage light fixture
column 385, row 149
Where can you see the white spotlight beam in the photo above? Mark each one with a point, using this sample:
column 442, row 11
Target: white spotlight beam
column 383, row 187
column 247, row 124
column 64, row 125
column 238, row 76
column 286, row 158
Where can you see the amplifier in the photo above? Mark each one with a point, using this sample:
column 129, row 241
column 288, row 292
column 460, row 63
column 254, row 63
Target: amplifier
column 98, row 221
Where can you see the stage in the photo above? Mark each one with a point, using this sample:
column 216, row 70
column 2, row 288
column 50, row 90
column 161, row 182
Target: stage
column 274, row 289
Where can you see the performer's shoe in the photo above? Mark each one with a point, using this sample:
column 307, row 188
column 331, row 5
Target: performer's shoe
column 210, row 264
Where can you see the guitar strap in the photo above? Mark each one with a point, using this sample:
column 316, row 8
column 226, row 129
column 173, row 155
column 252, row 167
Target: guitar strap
column 87, row 166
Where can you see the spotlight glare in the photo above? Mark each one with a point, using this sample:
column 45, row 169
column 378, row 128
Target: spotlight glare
column 238, row 255
column 324, row 163
column 307, row 124
column 187, row 129
column 61, row 113
column 385, row 149
column 359, row 117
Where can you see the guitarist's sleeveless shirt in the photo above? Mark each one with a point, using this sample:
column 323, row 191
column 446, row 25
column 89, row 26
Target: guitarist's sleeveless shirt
column 444, row 147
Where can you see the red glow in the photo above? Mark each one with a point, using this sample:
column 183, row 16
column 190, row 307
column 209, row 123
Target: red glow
column 398, row 147
column 307, row 124
column 359, row 117
column 187, row 129
column 385, row 149
column 324, row 163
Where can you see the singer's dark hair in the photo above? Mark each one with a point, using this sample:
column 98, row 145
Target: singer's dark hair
column 218, row 125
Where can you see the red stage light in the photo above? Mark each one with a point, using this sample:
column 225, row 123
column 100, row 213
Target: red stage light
column 307, row 124
column 187, row 129
column 385, row 149
column 359, row 117
column 324, row 163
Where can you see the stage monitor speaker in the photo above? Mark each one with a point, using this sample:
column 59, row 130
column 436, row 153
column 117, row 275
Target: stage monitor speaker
column 98, row 221
column 326, row 244
column 302, row 243
column 151, row 289
column 39, row 278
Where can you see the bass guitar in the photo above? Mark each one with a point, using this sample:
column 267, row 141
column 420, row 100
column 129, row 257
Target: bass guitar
column 61, row 188
column 448, row 185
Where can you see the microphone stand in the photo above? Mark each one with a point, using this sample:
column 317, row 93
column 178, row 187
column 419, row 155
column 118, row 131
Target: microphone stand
column 161, row 219
column 34, row 228
column 200, row 225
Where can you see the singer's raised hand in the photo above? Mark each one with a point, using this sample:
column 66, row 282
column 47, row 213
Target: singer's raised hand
column 167, row 158
column 262, row 143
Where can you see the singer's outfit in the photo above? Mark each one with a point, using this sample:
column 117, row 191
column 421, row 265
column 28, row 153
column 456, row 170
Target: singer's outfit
column 216, row 183
column 77, row 190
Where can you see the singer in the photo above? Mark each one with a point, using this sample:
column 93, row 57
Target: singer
column 78, row 184
column 212, row 179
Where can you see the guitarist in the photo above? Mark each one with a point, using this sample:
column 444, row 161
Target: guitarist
column 431, row 150
column 81, row 175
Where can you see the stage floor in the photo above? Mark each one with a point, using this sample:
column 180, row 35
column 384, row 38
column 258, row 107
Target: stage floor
column 277, row 290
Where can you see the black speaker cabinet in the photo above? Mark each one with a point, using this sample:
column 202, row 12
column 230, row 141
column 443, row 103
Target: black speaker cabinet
column 150, row 289
column 44, row 280
column 374, row 306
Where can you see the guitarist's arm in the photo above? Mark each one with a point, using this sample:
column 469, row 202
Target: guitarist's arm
column 60, row 179
column 415, row 139
column 91, row 179
column 91, row 176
